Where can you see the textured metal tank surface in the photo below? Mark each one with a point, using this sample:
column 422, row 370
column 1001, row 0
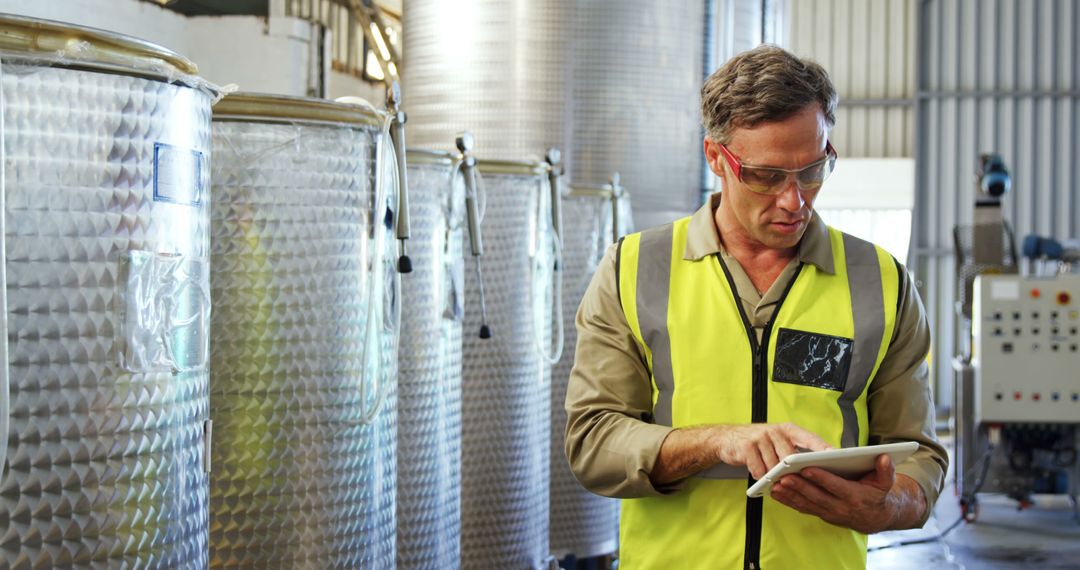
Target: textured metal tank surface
column 497, row 68
column 380, row 514
column 107, row 246
column 429, row 381
column 582, row 524
column 614, row 84
column 506, row 387
column 636, row 82
column 298, row 480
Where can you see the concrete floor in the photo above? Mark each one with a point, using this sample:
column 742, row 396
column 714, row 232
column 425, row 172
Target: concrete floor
column 1046, row 535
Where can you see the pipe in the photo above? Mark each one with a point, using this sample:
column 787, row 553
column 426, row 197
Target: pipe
column 616, row 197
column 397, row 136
column 465, row 143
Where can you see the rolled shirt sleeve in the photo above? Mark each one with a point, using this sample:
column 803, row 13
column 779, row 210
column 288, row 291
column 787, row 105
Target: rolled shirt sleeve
column 611, row 443
column 900, row 403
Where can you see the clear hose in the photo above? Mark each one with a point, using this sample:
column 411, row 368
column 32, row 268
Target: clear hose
column 384, row 161
column 557, row 284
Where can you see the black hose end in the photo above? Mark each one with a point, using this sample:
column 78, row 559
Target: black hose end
column 485, row 331
column 404, row 264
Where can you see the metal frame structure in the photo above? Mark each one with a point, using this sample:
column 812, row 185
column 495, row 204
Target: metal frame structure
column 987, row 81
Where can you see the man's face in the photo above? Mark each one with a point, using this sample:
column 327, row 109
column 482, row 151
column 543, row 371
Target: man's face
column 773, row 221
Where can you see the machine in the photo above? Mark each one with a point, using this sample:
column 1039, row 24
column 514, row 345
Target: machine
column 1017, row 387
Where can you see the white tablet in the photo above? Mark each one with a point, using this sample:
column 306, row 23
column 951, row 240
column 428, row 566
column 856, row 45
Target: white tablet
column 849, row 462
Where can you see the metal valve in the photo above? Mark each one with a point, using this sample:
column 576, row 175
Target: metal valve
column 465, row 143
column 616, row 198
column 554, row 160
column 397, row 136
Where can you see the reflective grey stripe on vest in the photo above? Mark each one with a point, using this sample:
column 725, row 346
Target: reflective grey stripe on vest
column 868, row 312
column 725, row 471
column 653, row 285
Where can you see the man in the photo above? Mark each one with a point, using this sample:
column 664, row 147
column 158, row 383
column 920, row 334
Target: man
column 712, row 347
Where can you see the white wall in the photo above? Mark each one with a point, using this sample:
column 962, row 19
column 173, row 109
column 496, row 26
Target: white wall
column 140, row 19
column 343, row 84
column 871, row 198
column 871, row 183
column 256, row 55
column 268, row 55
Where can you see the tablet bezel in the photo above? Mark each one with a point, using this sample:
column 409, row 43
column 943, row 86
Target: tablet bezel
column 846, row 462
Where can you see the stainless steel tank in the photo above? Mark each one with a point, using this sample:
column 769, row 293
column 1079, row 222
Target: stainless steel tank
column 506, row 379
column 429, row 380
column 303, row 462
column 636, row 80
column 582, row 524
column 106, row 141
column 613, row 83
column 498, row 68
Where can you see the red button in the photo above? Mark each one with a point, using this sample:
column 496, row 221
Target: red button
column 1017, row 395
column 1035, row 293
column 1063, row 298
column 1035, row 396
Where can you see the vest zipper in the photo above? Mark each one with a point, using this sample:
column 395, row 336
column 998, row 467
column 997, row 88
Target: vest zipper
column 759, row 408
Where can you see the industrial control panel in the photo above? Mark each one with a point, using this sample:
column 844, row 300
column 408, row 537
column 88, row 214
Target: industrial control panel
column 1026, row 348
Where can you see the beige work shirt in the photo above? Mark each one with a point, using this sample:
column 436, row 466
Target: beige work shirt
column 612, row 446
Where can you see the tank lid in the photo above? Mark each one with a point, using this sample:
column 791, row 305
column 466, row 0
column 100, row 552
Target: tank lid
column 283, row 108
column 591, row 191
column 64, row 44
column 427, row 156
column 520, row 167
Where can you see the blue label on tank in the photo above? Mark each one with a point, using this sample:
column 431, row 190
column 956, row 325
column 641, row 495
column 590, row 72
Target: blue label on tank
column 177, row 175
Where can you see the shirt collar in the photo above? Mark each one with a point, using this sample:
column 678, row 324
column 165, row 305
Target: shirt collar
column 703, row 239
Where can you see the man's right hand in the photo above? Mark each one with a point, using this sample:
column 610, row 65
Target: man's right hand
column 761, row 446
column 687, row 451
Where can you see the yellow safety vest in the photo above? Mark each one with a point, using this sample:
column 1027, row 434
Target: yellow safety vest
column 816, row 360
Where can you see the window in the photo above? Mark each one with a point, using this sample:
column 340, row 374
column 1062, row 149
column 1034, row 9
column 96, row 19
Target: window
column 871, row 198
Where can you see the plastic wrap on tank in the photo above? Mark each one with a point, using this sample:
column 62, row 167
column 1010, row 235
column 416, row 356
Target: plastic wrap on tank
column 163, row 304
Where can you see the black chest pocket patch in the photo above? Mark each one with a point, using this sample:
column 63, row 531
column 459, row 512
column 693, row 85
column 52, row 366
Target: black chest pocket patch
column 811, row 359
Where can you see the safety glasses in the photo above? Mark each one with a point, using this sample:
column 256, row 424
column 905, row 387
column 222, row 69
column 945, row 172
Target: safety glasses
column 772, row 181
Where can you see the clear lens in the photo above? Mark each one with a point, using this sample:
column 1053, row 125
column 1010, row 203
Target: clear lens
column 773, row 180
column 761, row 179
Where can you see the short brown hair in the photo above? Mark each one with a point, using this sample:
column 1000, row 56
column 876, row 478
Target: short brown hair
column 762, row 85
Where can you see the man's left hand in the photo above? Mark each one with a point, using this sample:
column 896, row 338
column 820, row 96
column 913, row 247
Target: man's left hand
column 878, row 501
